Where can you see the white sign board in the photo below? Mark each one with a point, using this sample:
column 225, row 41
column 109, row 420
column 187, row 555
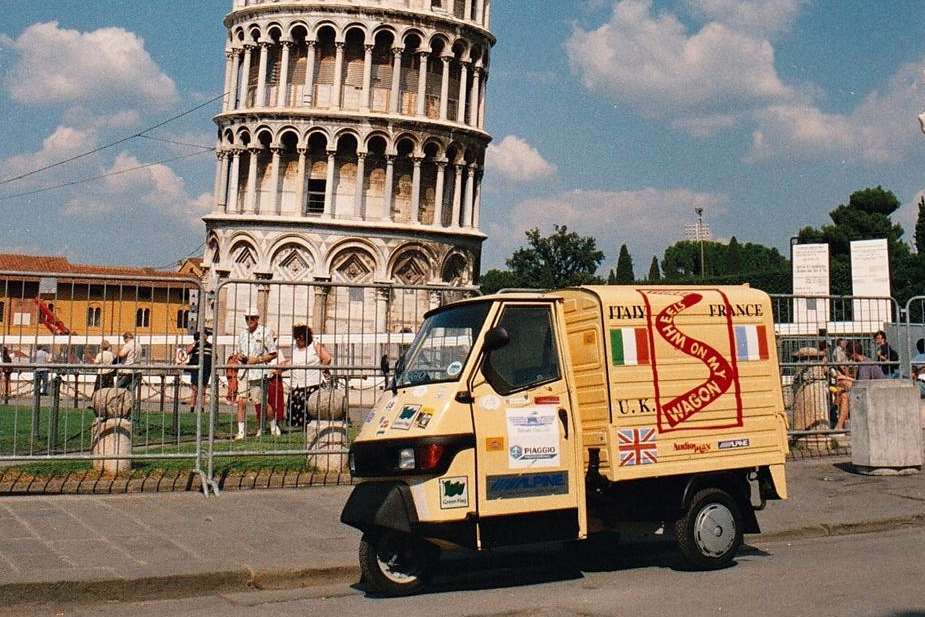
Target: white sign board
column 533, row 437
column 870, row 278
column 810, row 278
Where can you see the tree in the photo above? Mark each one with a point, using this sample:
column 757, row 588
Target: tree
column 733, row 257
column 625, row 274
column 654, row 274
column 611, row 277
column 493, row 280
column 866, row 216
column 920, row 228
column 562, row 259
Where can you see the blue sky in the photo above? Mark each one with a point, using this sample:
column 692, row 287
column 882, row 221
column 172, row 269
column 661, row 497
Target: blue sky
column 620, row 118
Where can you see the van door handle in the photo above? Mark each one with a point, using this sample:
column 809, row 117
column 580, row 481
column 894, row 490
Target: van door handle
column 563, row 417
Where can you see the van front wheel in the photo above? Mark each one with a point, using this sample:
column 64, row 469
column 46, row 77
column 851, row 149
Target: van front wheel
column 710, row 533
column 395, row 564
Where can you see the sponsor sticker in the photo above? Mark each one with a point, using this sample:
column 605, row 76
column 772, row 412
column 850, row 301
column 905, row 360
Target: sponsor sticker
column 390, row 404
column 637, row 446
column 490, row 402
column 527, row 485
column 419, row 391
column 546, row 400
column 454, row 493
column 533, row 435
column 369, row 417
column 454, row 369
column 383, row 422
column 729, row 444
column 405, row 417
column 494, row 444
column 423, row 419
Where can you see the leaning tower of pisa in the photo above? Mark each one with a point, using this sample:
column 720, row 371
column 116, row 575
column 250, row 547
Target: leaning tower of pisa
column 351, row 142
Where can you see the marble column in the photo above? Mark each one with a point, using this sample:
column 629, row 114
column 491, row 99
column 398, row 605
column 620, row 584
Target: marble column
column 422, row 83
column 250, row 198
column 359, row 199
column 457, row 193
column 228, row 63
column 439, row 214
column 232, row 96
column 416, row 190
column 482, row 97
column 461, row 105
column 467, row 10
column 329, row 186
column 395, row 94
column 308, row 90
column 338, row 75
column 233, row 178
column 300, row 188
column 445, row 86
column 367, row 77
column 470, row 194
column 260, row 100
column 389, row 187
column 477, row 205
column 276, row 197
column 282, row 97
column 474, row 97
column 246, row 75
column 220, row 174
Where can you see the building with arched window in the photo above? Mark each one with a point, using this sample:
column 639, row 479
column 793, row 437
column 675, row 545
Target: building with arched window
column 351, row 142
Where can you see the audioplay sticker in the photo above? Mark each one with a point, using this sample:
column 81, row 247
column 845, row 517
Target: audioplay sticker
column 533, row 437
column 405, row 417
column 454, row 493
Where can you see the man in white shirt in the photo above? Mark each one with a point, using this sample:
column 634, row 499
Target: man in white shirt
column 128, row 355
column 41, row 357
column 104, row 377
column 256, row 345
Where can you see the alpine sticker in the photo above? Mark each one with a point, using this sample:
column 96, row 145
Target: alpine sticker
column 527, row 485
column 454, row 493
column 729, row 444
column 405, row 417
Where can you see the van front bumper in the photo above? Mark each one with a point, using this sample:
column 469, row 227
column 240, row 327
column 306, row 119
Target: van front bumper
column 386, row 505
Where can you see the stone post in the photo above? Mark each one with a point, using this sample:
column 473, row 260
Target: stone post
column 886, row 436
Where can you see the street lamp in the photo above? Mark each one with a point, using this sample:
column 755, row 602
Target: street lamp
column 699, row 212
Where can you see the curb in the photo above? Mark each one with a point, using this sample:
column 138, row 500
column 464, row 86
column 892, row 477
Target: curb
column 247, row 579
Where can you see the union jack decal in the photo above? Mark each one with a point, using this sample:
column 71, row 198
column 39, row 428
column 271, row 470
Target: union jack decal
column 637, row 446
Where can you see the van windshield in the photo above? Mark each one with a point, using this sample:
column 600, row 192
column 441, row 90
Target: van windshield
column 442, row 345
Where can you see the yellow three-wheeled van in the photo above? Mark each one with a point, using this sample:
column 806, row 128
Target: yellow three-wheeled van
column 520, row 418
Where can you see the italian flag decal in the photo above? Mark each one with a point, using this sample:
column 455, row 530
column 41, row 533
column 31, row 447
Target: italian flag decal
column 629, row 346
column 751, row 343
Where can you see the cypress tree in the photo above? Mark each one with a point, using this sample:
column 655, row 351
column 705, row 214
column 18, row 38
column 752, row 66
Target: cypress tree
column 625, row 273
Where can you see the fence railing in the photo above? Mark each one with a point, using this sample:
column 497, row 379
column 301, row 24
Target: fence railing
column 257, row 394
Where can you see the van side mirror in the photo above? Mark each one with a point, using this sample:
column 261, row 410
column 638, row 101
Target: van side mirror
column 496, row 338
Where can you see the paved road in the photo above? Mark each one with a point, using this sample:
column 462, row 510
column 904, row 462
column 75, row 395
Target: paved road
column 875, row 575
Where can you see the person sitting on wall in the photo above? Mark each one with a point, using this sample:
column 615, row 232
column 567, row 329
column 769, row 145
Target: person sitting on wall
column 866, row 370
column 129, row 355
column 918, row 366
column 105, row 377
column 307, row 352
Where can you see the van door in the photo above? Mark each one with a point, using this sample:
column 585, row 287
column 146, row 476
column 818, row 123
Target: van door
column 526, row 438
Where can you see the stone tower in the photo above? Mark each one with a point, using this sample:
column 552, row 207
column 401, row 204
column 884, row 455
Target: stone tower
column 351, row 142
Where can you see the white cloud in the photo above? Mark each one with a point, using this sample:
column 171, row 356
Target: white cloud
column 60, row 66
column 647, row 220
column 882, row 128
column 63, row 142
column 705, row 126
column 157, row 188
column 759, row 17
column 652, row 62
column 516, row 160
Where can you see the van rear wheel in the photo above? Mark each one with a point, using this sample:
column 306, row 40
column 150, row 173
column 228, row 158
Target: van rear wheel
column 394, row 563
column 710, row 533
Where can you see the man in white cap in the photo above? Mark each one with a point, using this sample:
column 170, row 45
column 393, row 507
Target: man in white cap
column 256, row 345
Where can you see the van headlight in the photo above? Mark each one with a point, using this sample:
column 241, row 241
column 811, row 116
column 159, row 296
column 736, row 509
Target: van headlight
column 406, row 458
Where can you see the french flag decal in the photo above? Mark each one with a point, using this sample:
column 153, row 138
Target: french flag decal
column 751, row 343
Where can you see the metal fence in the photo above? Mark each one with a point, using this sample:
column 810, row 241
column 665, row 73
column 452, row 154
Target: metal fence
column 67, row 336
column 255, row 396
column 815, row 339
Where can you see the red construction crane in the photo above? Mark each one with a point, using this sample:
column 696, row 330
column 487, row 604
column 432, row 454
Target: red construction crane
column 51, row 321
